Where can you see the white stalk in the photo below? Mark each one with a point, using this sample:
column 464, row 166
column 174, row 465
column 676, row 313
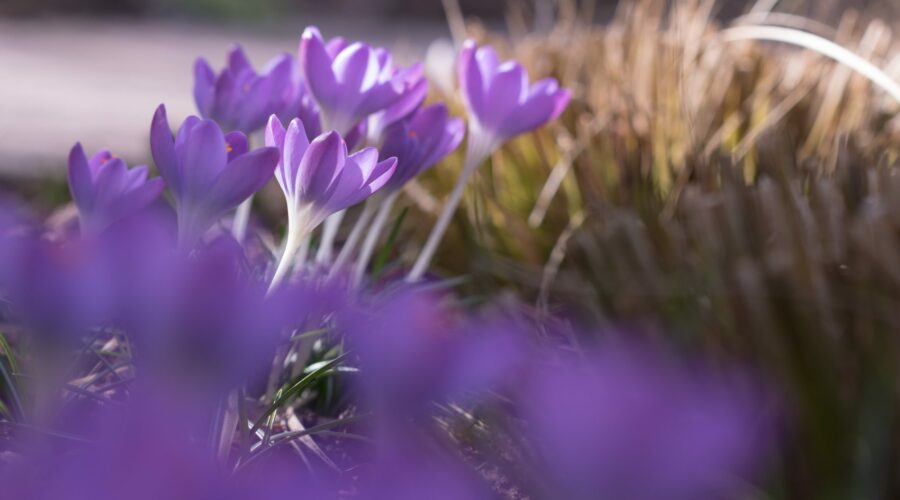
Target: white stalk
column 329, row 233
column 296, row 235
column 355, row 234
column 478, row 149
column 365, row 255
column 241, row 219
column 818, row 44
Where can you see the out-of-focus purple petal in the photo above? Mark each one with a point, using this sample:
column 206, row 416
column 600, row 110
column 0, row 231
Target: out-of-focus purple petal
column 499, row 100
column 470, row 79
column 205, row 156
column 650, row 430
column 163, row 149
column 315, row 63
column 507, row 90
column 243, row 177
column 80, row 178
column 204, row 86
column 236, row 144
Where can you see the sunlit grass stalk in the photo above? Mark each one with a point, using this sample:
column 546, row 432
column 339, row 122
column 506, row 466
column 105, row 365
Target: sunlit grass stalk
column 478, row 149
column 362, row 222
column 368, row 248
column 818, row 44
column 329, row 233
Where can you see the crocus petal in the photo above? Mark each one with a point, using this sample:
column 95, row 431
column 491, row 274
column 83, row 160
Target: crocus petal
column 80, row 180
column 488, row 63
column 379, row 97
column 237, row 60
column 323, row 162
column 414, row 93
column 205, row 157
column 135, row 200
column 356, row 67
column 236, row 144
column 162, row 148
column 507, row 91
column 376, row 177
column 295, row 145
column 315, row 63
column 335, row 46
column 241, row 178
column 99, row 159
column 537, row 111
column 274, row 138
column 136, row 176
column 471, row 80
column 111, row 180
column 204, row 86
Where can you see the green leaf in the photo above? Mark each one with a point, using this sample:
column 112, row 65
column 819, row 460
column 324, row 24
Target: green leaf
column 296, row 388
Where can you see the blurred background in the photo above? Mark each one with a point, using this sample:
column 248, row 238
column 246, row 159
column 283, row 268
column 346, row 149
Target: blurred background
column 94, row 70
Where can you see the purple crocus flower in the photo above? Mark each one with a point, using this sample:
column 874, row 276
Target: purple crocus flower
column 415, row 90
column 499, row 99
column 207, row 171
column 350, row 84
column 106, row 190
column 501, row 105
column 421, row 141
column 633, row 424
column 319, row 178
column 238, row 98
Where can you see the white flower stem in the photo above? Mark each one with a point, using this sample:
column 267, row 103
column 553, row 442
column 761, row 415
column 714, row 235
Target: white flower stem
column 241, row 219
column 296, row 235
column 372, row 237
column 242, row 214
column 329, row 233
column 477, row 150
column 355, row 234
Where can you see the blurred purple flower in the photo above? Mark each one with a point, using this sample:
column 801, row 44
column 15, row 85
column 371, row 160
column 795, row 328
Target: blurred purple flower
column 208, row 172
column 240, row 99
column 349, row 82
column 414, row 350
column 415, row 89
column 420, row 142
column 105, row 190
column 500, row 101
column 319, row 178
column 627, row 424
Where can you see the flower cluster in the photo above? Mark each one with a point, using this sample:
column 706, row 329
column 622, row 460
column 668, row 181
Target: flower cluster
column 168, row 359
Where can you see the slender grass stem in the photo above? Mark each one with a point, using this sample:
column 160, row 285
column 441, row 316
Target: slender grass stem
column 368, row 248
column 818, row 44
column 362, row 222
column 329, row 233
column 477, row 151
column 241, row 219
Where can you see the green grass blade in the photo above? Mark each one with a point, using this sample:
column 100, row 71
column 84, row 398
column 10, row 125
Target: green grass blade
column 296, row 389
